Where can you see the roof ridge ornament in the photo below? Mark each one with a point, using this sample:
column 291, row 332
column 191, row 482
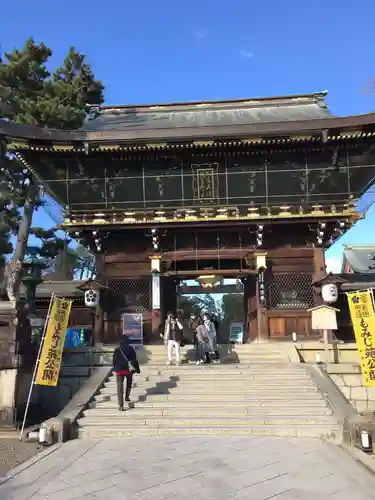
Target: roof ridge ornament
column 93, row 111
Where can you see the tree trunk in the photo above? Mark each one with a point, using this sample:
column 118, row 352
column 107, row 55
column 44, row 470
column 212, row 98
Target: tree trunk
column 19, row 253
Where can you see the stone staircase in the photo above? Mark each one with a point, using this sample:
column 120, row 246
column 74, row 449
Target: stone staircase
column 247, row 353
column 272, row 397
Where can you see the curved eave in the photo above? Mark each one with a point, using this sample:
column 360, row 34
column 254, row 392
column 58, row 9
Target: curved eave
column 32, row 137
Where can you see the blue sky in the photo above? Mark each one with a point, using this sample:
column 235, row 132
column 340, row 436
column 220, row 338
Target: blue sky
column 155, row 51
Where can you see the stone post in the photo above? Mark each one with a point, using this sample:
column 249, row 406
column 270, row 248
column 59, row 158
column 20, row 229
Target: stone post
column 9, row 362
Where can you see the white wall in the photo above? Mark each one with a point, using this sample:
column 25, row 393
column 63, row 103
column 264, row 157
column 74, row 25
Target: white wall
column 7, row 388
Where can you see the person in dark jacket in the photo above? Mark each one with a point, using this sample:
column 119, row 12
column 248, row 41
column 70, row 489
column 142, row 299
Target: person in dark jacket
column 125, row 364
column 216, row 324
column 193, row 324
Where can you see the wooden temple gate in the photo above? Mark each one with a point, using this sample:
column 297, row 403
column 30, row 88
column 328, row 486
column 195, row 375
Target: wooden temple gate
column 275, row 298
column 175, row 191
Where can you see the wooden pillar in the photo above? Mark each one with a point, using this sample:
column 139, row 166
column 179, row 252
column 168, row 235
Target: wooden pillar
column 261, row 300
column 319, row 264
column 105, row 327
column 319, row 272
column 251, row 313
column 261, row 296
column 98, row 320
column 98, row 325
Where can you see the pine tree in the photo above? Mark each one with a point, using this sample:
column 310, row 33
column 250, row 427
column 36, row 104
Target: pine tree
column 30, row 94
column 70, row 263
column 10, row 199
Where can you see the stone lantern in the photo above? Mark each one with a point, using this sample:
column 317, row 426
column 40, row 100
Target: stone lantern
column 31, row 278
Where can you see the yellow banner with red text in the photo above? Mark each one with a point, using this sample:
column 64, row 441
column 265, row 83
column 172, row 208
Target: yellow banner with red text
column 53, row 345
column 361, row 310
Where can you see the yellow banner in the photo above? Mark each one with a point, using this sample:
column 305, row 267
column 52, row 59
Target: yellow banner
column 50, row 359
column 363, row 320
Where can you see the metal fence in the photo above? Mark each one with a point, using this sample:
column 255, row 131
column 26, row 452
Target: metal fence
column 290, row 291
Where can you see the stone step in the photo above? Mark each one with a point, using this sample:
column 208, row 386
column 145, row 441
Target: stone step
column 215, row 389
column 315, row 431
column 220, row 412
column 215, row 383
column 259, row 349
column 168, row 386
column 217, row 405
column 223, row 369
column 190, row 352
column 223, row 398
column 224, row 349
column 244, row 366
column 259, row 399
column 197, row 373
column 197, row 376
column 233, row 368
column 121, row 420
column 233, row 355
column 225, row 360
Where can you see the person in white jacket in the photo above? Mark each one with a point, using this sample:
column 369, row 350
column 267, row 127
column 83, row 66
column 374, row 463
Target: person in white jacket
column 173, row 331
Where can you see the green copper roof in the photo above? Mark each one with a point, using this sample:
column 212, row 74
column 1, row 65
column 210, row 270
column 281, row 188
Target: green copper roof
column 211, row 114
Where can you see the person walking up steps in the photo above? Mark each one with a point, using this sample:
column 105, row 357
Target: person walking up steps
column 172, row 337
column 125, row 364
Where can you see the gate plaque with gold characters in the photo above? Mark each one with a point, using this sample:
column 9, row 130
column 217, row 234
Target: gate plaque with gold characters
column 205, row 182
column 363, row 320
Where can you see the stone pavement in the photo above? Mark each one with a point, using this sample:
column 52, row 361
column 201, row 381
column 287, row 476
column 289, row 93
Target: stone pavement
column 210, row 467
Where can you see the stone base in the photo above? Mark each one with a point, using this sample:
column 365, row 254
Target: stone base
column 6, row 416
column 7, row 308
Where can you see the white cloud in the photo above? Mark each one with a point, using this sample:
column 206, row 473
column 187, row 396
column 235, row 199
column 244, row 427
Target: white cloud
column 333, row 264
column 200, row 34
column 245, row 54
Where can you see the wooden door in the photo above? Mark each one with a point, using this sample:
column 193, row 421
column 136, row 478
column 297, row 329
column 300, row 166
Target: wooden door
column 277, row 327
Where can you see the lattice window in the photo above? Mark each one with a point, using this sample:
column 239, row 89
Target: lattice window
column 132, row 294
column 290, row 291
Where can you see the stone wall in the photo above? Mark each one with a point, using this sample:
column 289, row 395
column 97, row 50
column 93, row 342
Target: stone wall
column 77, row 367
column 8, row 362
column 337, row 353
column 7, row 336
column 348, row 379
column 344, row 369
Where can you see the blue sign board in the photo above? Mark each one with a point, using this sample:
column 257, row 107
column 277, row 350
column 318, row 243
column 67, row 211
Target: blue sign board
column 236, row 333
column 132, row 327
column 72, row 338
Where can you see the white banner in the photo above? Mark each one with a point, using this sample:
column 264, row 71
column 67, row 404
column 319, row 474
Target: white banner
column 155, row 292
